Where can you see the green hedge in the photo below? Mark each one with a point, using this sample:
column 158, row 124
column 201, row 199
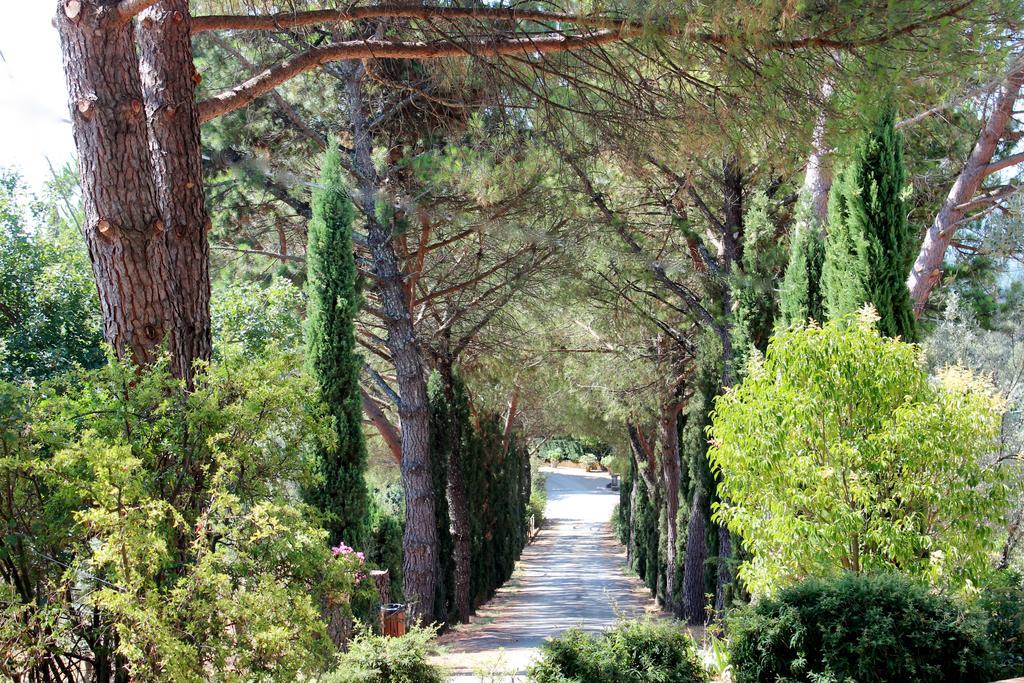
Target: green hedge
column 869, row 629
column 631, row 652
column 497, row 486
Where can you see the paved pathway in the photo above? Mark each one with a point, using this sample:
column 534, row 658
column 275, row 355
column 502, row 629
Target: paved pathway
column 571, row 575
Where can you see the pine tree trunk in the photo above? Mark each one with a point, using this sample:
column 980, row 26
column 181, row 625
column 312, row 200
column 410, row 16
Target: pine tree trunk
column 818, row 179
column 671, row 471
column 695, row 561
column 419, row 542
column 168, row 84
column 123, row 227
column 927, row 268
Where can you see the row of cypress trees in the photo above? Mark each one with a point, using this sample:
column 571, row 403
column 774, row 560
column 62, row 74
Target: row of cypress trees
column 497, row 471
column 497, row 478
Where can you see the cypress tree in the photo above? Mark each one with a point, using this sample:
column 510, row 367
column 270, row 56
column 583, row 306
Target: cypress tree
column 800, row 295
column 442, row 431
column 870, row 246
column 330, row 352
column 757, row 305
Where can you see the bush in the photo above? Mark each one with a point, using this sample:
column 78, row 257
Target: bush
column 589, row 461
column 1003, row 606
column 838, row 453
column 158, row 530
column 378, row 659
column 857, row 628
column 632, row 651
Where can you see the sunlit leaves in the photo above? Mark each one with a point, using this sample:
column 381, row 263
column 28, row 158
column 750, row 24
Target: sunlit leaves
column 837, row 453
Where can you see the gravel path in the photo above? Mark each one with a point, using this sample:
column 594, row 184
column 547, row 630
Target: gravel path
column 571, row 575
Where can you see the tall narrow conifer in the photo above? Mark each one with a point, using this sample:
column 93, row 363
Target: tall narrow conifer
column 870, row 247
column 800, row 294
column 331, row 354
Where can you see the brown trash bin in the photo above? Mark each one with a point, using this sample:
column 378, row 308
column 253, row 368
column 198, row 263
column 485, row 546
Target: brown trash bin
column 392, row 620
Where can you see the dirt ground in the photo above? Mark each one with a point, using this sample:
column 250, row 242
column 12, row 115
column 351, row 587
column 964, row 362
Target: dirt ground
column 573, row 574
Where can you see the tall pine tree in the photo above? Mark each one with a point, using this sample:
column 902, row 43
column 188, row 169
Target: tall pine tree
column 331, row 354
column 870, row 247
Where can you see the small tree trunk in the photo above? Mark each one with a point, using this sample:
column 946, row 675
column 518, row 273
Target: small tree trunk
column 168, row 80
column 695, row 561
column 724, row 570
column 122, row 229
column 671, row 471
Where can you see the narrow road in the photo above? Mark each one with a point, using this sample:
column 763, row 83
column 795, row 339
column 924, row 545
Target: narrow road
column 572, row 575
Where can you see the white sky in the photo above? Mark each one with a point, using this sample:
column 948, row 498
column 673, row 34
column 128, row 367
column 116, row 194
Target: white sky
column 34, row 122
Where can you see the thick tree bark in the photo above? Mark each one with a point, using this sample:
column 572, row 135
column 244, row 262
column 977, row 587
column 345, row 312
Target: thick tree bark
column 419, row 542
column 670, row 467
column 927, row 267
column 168, row 83
column 123, row 227
column 694, row 564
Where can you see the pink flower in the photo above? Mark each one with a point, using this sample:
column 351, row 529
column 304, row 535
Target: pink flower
column 361, row 556
column 341, row 549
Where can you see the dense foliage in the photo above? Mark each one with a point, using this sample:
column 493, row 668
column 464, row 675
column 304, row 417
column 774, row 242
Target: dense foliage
column 49, row 316
column 498, row 489
column 331, row 283
column 871, row 629
column 1002, row 605
column 800, row 297
column 870, row 245
column 630, row 652
column 837, row 453
column 214, row 574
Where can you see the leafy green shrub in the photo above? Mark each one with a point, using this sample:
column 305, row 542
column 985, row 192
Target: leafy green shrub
column 1002, row 603
column 566, row 448
column 159, row 530
column 837, row 453
column 631, row 652
column 589, row 461
column 379, row 659
column 857, row 628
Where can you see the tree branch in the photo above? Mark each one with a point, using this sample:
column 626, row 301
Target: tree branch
column 384, row 386
column 617, row 30
column 129, row 9
column 387, row 431
column 926, row 270
column 241, row 95
column 283, row 20
column 1009, row 161
column 260, row 252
